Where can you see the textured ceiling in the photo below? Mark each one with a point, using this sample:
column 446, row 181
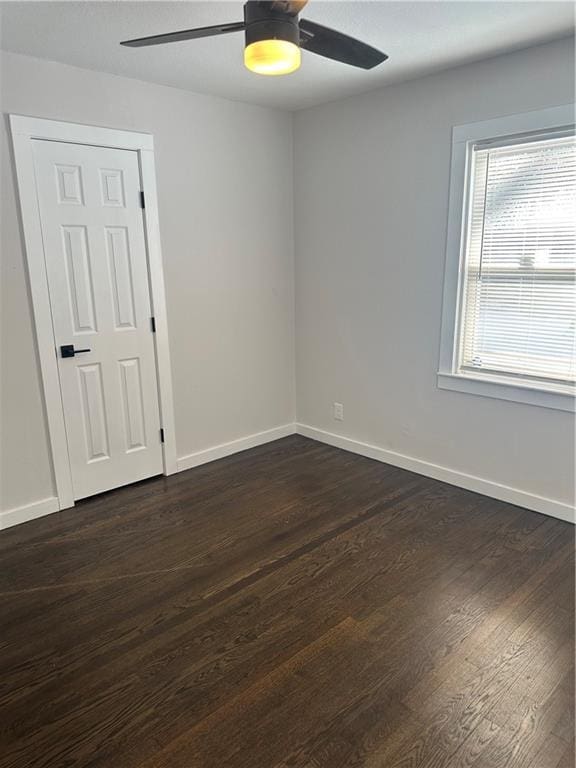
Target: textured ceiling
column 419, row 37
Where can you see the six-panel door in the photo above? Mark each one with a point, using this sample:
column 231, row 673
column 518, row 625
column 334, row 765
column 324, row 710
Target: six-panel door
column 97, row 272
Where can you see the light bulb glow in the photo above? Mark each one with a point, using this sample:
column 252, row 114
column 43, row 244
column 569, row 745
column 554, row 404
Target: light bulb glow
column 272, row 57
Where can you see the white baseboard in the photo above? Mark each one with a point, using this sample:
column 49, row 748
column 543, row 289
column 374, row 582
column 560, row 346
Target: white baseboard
column 28, row 512
column 546, row 506
column 46, row 506
column 235, row 446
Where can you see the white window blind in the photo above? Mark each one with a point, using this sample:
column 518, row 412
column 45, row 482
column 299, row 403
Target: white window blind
column 519, row 293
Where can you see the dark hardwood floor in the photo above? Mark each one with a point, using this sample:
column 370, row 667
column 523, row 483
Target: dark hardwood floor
column 293, row 606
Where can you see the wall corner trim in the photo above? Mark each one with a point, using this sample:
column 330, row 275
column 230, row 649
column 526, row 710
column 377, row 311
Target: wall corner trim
column 545, row 506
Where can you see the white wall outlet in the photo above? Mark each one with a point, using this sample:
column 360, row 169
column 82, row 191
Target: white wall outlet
column 338, row 411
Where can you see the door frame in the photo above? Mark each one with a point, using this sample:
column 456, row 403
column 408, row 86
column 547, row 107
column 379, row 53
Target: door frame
column 24, row 131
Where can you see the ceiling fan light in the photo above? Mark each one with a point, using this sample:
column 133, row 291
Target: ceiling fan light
column 272, row 57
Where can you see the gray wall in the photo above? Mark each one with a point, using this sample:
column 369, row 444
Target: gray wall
column 225, row 192
column 371, row 194
column 371, row 198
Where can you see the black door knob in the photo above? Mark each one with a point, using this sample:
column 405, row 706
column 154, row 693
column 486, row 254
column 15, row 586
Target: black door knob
column 67, row 350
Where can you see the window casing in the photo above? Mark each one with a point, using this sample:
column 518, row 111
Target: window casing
column 509, row 315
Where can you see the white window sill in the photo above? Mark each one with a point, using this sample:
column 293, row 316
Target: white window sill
column 546, row 396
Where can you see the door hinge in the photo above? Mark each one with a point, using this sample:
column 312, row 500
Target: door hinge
column 161, row 435
column 142, row 200
column 153, row 324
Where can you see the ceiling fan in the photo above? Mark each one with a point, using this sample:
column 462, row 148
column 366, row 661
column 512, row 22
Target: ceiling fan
column 274, row 36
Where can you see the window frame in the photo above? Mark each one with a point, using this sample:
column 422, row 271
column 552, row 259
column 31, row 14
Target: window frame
column 464, row 138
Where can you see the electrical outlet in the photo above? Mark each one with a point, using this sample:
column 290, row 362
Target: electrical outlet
column 338, row 411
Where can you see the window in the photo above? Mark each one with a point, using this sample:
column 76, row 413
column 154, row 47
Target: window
column 509, row 329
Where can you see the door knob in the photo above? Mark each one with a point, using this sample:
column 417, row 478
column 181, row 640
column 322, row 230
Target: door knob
column 67, row 350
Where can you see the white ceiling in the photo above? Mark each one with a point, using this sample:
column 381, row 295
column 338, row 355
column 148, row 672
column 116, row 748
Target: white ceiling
column 419, row 37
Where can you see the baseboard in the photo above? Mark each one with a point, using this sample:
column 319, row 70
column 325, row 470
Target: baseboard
column 46, row 506
column 235, row 446
column 498, row 491
column 28, row 512
column 546, row 506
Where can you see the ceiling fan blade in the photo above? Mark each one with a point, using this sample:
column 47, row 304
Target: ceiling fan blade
column 293, row 7
column 185, row 34
column 334, row 45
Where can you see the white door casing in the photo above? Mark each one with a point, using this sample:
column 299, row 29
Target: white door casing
column 89, row 243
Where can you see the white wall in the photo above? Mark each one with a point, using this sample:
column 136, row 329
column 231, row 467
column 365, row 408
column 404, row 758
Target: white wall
column 371, row 194
column 225, row 192
column 371, row 199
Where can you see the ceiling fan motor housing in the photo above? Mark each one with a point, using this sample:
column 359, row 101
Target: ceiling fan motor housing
column 263, row 22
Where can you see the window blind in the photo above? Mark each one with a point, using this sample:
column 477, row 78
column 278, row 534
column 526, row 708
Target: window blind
column 519, row 294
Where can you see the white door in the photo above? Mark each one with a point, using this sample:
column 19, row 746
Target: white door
column 95, row 250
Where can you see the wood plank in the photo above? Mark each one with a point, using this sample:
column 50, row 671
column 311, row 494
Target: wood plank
column 291, row 606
